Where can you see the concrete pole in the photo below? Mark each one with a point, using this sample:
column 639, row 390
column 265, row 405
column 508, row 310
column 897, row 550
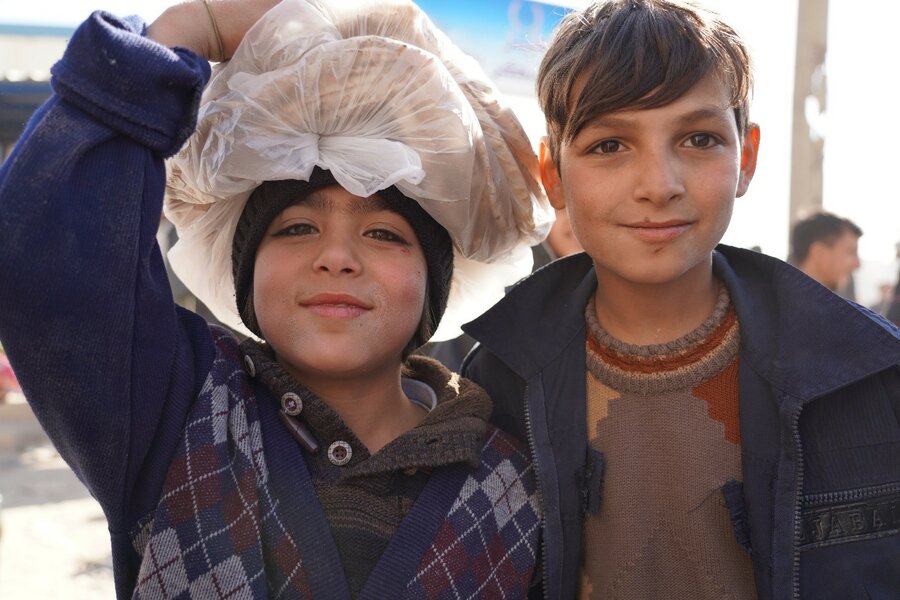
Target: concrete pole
column 808, row 138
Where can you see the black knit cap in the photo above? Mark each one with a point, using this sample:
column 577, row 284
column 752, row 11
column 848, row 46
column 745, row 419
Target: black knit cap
column 271, row 197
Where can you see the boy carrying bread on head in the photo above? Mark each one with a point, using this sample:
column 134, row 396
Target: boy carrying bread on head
column 330, row 181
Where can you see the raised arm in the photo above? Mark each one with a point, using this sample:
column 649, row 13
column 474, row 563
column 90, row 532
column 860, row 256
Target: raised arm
column 86, row 315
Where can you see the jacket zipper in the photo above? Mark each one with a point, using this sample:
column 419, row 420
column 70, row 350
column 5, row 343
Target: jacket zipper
column 540, row 490
column 798, row 503
column 850, row 495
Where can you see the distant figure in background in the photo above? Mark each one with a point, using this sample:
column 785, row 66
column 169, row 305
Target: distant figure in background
column 886, row 294
column 8, row 381
column 560, row 242
column 824, row 246
column 893, row 311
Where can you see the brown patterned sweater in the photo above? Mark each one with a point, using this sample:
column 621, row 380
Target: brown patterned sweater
column 666, row 419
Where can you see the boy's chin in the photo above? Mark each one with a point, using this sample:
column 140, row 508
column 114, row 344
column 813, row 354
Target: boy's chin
column 338, row 360
column 659, row 274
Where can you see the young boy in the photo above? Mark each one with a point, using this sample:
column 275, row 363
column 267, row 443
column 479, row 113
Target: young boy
column 707, row 422
column 322, row 461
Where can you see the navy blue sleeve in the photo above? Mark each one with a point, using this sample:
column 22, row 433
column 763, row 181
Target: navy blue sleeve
column 106, row 360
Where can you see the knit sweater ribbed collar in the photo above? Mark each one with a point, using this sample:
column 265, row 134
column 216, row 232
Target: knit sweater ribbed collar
column 659, row 368
column 452, row 432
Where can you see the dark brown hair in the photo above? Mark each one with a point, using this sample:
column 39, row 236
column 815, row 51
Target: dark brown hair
column 818, row 227
column 636, row 54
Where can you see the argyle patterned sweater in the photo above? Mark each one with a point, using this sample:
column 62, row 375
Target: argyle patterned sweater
column 225, row 529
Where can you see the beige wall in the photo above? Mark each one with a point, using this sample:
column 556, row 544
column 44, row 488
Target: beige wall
column 29, row 57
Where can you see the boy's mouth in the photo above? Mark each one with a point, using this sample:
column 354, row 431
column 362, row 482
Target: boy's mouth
column 336, row 306
column 659, row 231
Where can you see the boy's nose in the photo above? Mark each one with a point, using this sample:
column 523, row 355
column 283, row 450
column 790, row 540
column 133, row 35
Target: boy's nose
column 659, row 178
column 337, row 255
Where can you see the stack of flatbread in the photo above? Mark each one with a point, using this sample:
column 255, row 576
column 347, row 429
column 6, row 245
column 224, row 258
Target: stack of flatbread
column 374, row 92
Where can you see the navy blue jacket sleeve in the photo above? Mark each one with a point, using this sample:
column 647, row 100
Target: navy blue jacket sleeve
column 107, row 361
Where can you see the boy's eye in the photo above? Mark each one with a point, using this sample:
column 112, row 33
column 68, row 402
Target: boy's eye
column 296, row 229
column 386, row 235
column 608, row 146
column 702, row 140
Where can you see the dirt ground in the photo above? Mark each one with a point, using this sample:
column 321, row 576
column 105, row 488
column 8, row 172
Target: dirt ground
column 53, row 537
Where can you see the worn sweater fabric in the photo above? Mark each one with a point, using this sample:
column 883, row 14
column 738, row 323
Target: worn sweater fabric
column 241, row 516
column 205, row 492
column 819, row 383
column 366, row 499
column 666, row 419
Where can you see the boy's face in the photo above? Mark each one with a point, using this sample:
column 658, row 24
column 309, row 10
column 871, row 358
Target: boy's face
column 339, row 286
column 833, row 263
column 650, row 192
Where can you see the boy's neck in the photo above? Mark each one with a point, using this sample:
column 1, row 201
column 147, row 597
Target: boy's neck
column 376, row 409
column 645, row 314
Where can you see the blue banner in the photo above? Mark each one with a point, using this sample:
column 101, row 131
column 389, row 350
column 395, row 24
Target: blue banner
column 506, row 37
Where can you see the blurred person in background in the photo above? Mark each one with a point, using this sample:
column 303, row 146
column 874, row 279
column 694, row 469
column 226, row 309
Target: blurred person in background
column 824, row 246
column 8, row 381
column 559, row 243
column 885, row 299
column 893, row 311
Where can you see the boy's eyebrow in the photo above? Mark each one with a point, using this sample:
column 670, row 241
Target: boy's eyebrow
column 613, row 121
column 362, row 205
column 366, row 205
column 716, row 113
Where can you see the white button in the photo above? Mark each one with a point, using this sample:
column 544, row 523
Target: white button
column 340, row 453
column 292, row 404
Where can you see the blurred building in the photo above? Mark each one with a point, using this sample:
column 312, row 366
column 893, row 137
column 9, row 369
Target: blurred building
column 26, row 54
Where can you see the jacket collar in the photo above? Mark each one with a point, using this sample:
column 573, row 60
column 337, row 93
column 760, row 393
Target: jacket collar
column 797, row 334
column 800, row 337
column 458, row 421
column 539, row 317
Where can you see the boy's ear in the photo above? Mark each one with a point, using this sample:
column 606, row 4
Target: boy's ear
column 550, row 176
column 749, row 151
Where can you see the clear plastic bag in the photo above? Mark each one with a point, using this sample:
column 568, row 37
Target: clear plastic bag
column 375, row 93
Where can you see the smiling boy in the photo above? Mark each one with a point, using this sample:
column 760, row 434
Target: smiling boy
column 317, row 458
column 707, row 422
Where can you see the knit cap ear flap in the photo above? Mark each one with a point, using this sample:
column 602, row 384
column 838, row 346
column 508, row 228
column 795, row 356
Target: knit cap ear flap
column 438, row 249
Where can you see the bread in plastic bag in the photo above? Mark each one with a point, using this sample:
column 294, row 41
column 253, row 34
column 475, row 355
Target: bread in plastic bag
column 375, row 93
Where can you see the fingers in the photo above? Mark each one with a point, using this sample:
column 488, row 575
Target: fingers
column 185, row 25
column 213, row 29
column 234, row 18
column 220, row 48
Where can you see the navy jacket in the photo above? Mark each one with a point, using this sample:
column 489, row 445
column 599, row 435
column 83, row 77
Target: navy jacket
column 820, row 422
